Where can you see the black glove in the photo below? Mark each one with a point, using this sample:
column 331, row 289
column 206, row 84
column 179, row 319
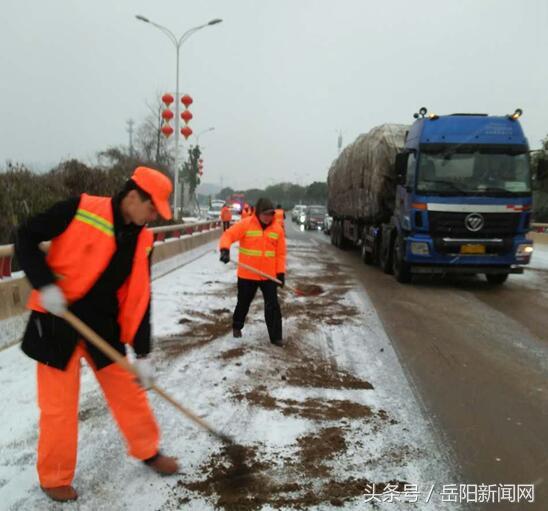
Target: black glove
column 225, row 255
column 281, row 278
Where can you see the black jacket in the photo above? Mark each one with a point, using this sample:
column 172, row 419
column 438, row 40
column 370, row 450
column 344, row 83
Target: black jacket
column 51, row 340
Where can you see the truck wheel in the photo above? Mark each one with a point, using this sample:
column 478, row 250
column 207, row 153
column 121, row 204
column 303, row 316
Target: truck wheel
column 367, row 257
column 343, row 242
column 496, row 278
column 385, row 256
column 402, row 270
column 335, row 234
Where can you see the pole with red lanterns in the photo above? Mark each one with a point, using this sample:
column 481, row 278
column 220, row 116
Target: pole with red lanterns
column 177, row 42
column 167, row 115
column 200, row 161
column 185, row 131
column 186, row 116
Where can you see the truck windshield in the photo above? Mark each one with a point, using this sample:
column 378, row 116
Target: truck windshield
column 474, row 173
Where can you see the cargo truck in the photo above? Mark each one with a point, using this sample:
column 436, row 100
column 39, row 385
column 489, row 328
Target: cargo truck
column 448, row 194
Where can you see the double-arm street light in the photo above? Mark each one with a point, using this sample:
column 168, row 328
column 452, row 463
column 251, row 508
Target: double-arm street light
column 201, row 133
column 177, row 43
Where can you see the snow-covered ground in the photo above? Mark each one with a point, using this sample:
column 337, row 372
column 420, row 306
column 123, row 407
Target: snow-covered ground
column 539, row 260
column 318, row 421
column 11, row 329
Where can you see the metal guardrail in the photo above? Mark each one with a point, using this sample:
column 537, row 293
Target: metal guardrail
column 160, row 234
column 176, row 231
column 539, row 228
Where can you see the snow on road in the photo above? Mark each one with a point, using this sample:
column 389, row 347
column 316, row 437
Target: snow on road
column 535, row 275
column 318, row 421
column 539, row 260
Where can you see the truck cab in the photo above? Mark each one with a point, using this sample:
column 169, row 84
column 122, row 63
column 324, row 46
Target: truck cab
column 463, row 198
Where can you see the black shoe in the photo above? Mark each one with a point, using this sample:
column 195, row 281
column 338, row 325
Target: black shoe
column 164, row 465
column 236, row 332
column 278, row 342
column 61, row 493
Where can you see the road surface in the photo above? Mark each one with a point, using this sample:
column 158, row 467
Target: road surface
column 477, row 356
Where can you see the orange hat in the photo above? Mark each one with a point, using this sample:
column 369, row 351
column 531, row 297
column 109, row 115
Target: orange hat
column 158, row 186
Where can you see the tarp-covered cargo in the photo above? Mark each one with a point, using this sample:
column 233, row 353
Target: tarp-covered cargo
column 361, row 182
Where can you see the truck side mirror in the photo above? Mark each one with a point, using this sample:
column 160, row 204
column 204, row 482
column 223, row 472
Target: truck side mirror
column 401, row 167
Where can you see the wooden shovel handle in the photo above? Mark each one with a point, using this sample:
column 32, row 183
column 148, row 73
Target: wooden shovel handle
column 267, row 276
column 111, row 353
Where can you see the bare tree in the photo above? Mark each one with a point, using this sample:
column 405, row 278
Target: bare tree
column 151, row 144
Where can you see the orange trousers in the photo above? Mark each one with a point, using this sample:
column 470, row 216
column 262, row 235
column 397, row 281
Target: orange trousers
column 58, row 402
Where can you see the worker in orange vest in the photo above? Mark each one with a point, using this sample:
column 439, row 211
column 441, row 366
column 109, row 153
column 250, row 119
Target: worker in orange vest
column 262, row 246
column 279, row 215
column 99, row 266
column 226, row 216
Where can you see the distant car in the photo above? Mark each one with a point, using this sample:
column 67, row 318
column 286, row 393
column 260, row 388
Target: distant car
column 314, row 218
column 236, row 214
column 214, row 211
column 327, row 223
column 298, row 213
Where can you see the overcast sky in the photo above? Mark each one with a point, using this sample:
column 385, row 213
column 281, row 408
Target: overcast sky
column 277, row 79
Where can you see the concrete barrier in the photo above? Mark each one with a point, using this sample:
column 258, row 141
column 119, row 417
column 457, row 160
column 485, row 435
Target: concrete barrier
column 539, row 233
column 539, row 237
column 14, row 293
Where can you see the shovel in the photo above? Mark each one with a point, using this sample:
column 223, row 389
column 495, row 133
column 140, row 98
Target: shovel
column 307, row 290
column 111, row 353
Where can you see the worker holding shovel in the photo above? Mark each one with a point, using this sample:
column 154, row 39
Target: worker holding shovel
column 98, row 266
column 262, row 248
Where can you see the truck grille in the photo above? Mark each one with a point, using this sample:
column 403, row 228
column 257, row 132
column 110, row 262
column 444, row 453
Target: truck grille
column 452, row 248
column 452, row 225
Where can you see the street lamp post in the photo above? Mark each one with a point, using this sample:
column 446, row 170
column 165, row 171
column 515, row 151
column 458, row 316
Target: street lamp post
column 177, row 43
column 201, row 133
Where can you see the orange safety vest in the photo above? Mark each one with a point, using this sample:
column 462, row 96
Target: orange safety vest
column 260, row 248
column 226, row 215
column 81, row 253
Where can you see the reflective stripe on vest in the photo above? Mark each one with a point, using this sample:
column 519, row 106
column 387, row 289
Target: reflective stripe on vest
column 258, row 234
column 257, row 253
column 95, row 221
column 250, row 252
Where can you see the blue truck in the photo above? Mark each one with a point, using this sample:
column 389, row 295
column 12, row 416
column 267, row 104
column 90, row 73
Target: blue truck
column 448, row 194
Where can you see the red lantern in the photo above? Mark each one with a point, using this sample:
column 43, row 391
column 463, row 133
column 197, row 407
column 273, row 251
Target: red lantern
column 186, row 116
column 167, row 115
column 167, row 130
column 201, row 173
column 187, row 100
column 186, row 132
column 167, row 99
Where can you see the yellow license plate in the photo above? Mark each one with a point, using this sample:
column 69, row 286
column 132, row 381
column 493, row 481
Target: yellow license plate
column 472, row 249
